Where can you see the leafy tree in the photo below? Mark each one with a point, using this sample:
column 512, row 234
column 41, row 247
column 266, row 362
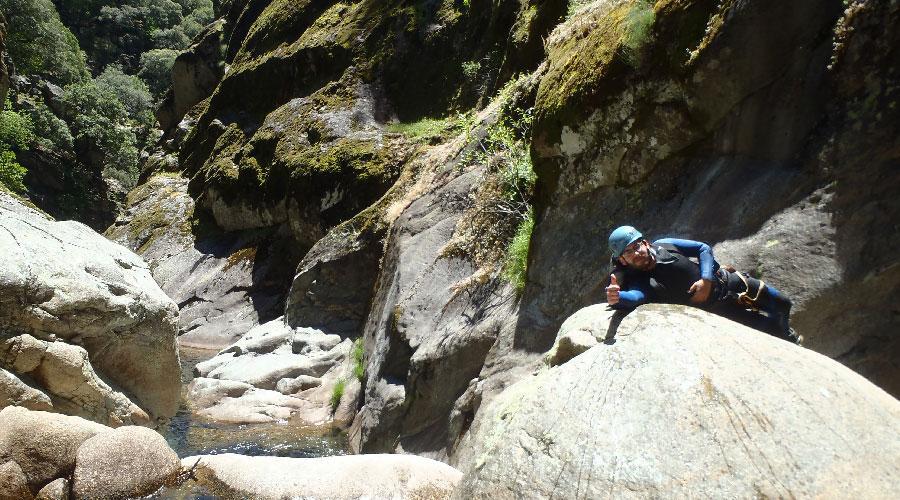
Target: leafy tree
column 49, row 130
column 130, row 90
column 15, row 133
column 156, row 69
column 101, row 128
column 40, row 44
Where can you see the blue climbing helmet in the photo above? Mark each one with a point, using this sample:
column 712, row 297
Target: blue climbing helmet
column 621, row 237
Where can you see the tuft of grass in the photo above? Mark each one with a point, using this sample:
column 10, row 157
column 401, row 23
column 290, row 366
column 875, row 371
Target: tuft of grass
column 470, row 70
column 638, row 27
column 430, row 129
column 516, row 266
column 358, row 354
column 337, row 393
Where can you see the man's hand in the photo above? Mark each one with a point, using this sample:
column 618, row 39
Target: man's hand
column 612, row 291
column 700, row 291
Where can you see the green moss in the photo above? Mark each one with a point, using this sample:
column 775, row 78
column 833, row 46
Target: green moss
column 591, row 48
column 242, row 257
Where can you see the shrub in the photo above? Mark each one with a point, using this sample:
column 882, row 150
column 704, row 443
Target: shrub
column 516, row 267
column 16, row 131
column 130, row 90
column 156, row 69
column 337, row 393
column 11, row 173
column 49, row 130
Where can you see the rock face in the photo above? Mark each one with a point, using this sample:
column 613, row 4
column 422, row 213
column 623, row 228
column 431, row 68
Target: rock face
column 679, row 119
column 352, row 476
column 85, row 324
column 686, row 403
column 224, row 284
column 195, row 74
column 272, row 373
column 123, row 463
column 43, row 445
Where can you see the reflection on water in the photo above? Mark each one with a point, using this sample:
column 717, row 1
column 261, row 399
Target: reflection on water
column 189, row 436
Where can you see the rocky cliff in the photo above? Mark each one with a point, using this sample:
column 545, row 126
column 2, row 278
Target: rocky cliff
column 362, row 169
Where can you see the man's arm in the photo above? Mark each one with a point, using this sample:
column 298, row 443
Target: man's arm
column 696, row 249
column 634, row 294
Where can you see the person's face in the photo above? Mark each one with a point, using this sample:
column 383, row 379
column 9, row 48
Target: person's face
column 637, row 255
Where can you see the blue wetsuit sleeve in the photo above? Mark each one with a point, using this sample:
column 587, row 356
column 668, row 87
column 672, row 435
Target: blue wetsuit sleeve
column 634, row 296
column 697, row 249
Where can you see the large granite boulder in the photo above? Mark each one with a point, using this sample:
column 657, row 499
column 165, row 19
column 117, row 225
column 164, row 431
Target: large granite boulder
column 95, row 308
column 351, row 476
column 126, row 462
column 43, row 445
column 684, row 403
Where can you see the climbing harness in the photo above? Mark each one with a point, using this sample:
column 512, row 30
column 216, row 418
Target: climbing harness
column 744, row 299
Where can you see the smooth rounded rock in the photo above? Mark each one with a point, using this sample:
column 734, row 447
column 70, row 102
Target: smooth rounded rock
column 339, row 477
column 43, row 444
column 57, row 490
column 13, row 484
column 682, row 403
column 125, row 462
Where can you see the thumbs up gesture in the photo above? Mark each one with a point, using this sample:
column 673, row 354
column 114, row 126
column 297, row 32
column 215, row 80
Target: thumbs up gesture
column 612, row 291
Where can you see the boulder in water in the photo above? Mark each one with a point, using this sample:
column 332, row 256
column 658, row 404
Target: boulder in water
column 123, row 463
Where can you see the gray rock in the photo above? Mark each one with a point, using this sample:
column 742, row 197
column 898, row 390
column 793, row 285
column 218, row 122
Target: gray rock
column 123, row 463
column 58, row 489
column 222, row 283
column 13, row 484
column 66, row 374
column 769, row 147
column 89, row 292
column 43, row 444
column 685, row 403
column 237, row 402
column 195, row 74
column 428, row 333
column 15, row 392
column 584, row 330
column 294, row 385
column 351, row 476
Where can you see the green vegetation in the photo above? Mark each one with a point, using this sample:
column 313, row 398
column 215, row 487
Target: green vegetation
column 16, row 133
column 120, row 31
column 515, row 269
column 431, row 129
column 358, row 355
column 100, row 127
column 39, row 43
column 50, row 132
column 337, row 393
column 470, row 70
column 638, row 25
column 156, row 69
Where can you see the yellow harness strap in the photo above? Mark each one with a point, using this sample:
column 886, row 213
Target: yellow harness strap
column 744, row 299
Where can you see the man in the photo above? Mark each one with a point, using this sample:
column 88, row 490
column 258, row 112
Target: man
column 677, row 271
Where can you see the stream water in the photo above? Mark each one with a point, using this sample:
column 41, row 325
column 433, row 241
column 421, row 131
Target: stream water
column 189, row 436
